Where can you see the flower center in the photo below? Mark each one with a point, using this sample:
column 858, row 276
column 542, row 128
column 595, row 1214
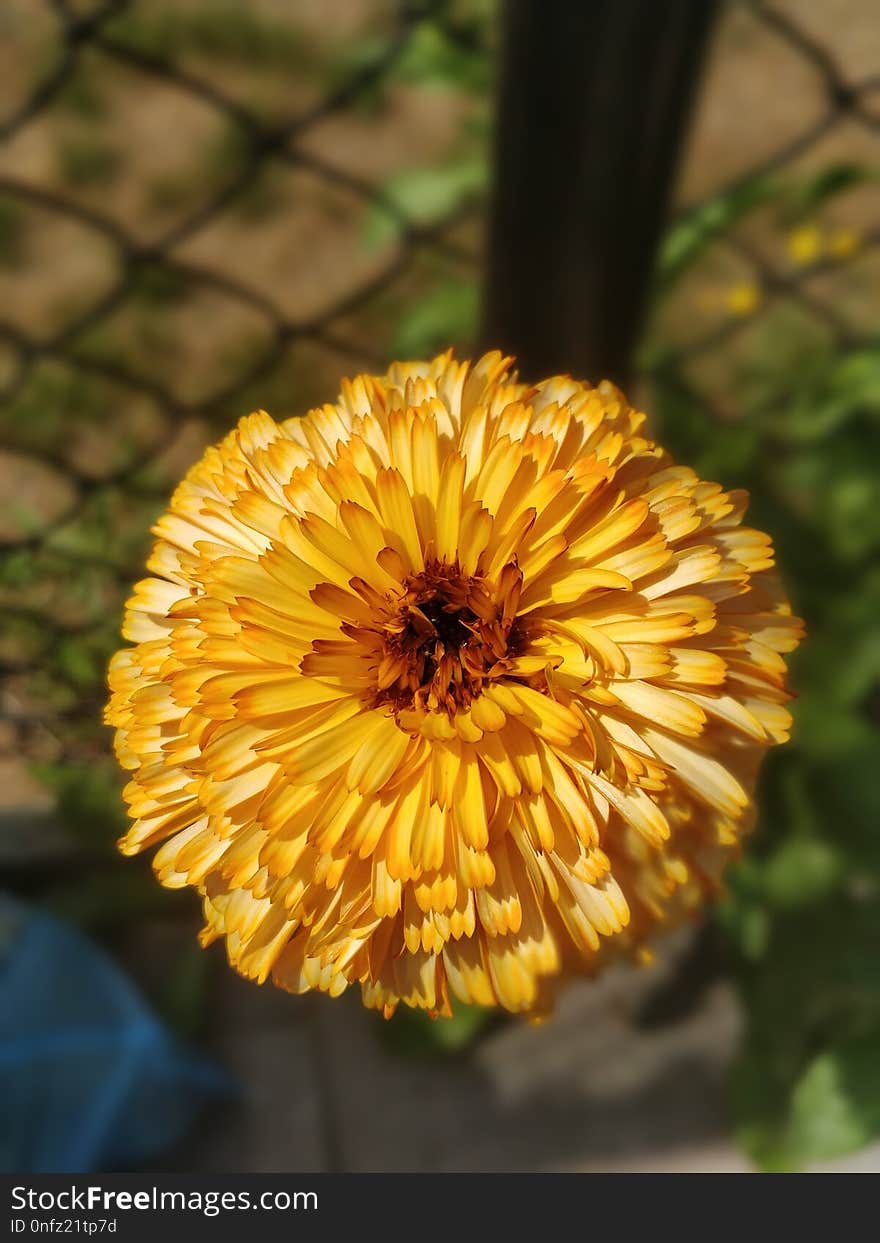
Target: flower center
column 449, row 635
column 452, row 627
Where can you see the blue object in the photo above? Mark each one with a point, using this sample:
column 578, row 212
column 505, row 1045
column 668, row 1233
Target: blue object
column 89, row 1078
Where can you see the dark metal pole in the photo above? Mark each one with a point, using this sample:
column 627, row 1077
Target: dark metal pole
column 594, row 98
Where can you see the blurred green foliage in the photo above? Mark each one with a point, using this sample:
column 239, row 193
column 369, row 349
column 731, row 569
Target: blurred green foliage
column 412, row 1033
column 446, row 53
column 800, row 431
column 449, row 311
column 802, row 911
column 793, row 200
column 87, row 799
column 449, row 52
column 422, row 196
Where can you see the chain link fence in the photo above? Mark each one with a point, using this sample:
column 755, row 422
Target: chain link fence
column 844, row 100
column 132, row 335
column 96, row 427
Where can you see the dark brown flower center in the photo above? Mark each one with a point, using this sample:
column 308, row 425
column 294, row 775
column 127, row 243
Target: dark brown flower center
column 452, row 627
column 449, row 635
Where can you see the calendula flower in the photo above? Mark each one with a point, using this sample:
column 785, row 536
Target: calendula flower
column 448, row 689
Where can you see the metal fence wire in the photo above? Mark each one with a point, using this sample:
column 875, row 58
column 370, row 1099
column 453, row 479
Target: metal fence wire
column 63, row 576
column 845, row 100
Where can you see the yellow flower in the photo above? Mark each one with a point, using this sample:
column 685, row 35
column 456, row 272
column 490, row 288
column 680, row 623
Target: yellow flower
column 805, row 245
column 448, row 688
column 743, row 299
column 844, row 243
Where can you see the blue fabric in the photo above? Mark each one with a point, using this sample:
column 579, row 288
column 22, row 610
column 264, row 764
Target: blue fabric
column 89, row 1079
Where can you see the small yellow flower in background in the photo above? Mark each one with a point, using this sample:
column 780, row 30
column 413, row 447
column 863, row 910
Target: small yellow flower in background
column 843, row 243
column 743, row 299
column 805, row 245
column 449, row 689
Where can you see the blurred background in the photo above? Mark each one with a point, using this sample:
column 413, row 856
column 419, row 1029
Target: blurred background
column 208, row 206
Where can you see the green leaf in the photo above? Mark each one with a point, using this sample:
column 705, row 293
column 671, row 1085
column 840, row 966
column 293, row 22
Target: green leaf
column 414, row 1033
column 797, row 426
column 846, row 789
column 422, row 196
column 88, row 798
column 82, row 658
column 834, row 1109
column 446, row 315
column 802, row 871
column 825, row 397
column 432, row 58
column 691, row 235
column 18, row 568
column 807, row 196
column 746, row 924
column 815, row 991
